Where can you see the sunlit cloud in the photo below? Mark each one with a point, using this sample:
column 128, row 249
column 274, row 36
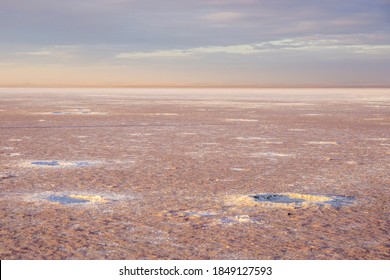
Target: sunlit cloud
column 156, row 54
column 64, row 52
column 292, row 44
column 38, row 53
column 236, row 49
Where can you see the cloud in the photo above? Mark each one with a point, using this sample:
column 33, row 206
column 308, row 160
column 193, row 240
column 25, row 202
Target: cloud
column 155, row 54
column 236, row 49
column 38, row 53
column 50, row 53
column 223, row 17
column 178, row 23
column 302, row 44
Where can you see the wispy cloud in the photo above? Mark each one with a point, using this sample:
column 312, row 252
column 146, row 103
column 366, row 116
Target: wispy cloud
column 306, row 44
column 59, row 52
column 236, row 49
column 38, row 53
column 223, row 17
column 156, row 54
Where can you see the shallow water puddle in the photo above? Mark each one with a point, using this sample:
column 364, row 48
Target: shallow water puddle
column 66, row 199
column 192, row 214
column 72, row 112
column 82, row 163
column 276, row 198
column 57, row 163
column 288, row 200
column 76, row 199
column 46, row 163
column 303, row 199
column 339, row 201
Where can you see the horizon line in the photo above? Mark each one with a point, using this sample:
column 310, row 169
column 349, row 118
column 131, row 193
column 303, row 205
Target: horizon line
column 196, row 86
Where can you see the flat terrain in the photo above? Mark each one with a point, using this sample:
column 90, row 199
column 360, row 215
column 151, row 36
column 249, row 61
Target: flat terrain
column 194, row 173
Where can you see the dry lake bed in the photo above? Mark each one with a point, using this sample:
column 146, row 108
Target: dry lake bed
column 194, row 173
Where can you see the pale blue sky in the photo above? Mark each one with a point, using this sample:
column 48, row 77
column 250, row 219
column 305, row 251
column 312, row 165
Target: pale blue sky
column 195, row 43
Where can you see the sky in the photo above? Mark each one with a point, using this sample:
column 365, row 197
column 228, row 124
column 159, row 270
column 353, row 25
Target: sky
column 250, row 43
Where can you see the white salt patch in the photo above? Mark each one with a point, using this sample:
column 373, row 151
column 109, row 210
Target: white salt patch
column 237, row 169
column 15, row 140
column 241, row 120
column 322, row 143
column 270, row 154
column 186, row 133
column 14, row 154
column 313, row 114
column 378, row 139
column 140, row 134
column 159, row 114
column 251, row 138
column 224, row 180
column 374, row 119
column 237, row 219
column 287, row 104
column 297, row 129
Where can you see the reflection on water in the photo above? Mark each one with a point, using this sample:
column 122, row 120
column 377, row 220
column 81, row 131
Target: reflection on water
column 66, row 199
column 276, row 198
column 296, row 198
column 46, row 163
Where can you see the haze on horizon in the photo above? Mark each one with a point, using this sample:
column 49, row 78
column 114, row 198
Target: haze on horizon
column 194, row 43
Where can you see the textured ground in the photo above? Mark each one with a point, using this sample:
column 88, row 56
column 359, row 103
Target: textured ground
column 171, row 174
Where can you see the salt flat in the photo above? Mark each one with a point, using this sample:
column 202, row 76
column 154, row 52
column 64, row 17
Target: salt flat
column 178, row 173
